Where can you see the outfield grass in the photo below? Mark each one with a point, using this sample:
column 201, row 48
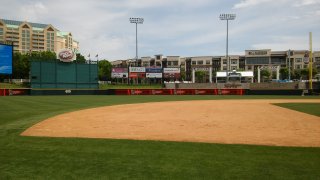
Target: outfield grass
column 76, row 158
column 310, row 108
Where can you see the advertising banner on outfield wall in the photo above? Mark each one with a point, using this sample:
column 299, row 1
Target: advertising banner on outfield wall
column 119, row 73
column 171, row 70
column 154, row 75
column 171, row 75
column 137, row 69
column 153, row 70
column 137, row 75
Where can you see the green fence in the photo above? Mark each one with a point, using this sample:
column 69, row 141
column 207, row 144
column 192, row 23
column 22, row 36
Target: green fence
column 60, row 75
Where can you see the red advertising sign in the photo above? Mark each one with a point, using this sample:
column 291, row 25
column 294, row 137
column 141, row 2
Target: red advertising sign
column 171, row 75
column 119, row 70
column 137, row 75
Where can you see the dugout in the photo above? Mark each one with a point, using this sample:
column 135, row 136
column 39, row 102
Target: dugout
column 63, row 75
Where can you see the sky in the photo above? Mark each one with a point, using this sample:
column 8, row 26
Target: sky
column 183, row 28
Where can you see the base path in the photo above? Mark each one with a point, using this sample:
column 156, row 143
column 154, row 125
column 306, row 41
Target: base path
column 214, row 121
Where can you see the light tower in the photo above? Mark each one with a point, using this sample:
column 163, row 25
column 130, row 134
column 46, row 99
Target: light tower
column 227, row 17
column 136, row 21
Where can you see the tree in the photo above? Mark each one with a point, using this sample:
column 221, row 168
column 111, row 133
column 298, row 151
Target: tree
column 80, row 58
column 304, row 73
column 265, row 74
column 284, row 73
column 183, row 75
column 104, row 70
column 200, row 75
column 21, row 66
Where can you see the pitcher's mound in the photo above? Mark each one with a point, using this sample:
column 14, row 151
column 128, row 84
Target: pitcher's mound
column 219, row 121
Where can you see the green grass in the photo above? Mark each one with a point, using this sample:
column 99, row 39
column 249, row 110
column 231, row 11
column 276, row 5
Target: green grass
column 310, row 108
column 133, row 86
column 76, row 158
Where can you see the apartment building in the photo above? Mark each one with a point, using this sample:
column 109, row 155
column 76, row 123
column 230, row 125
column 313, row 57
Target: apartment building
column 28, row 36
column 252, row 60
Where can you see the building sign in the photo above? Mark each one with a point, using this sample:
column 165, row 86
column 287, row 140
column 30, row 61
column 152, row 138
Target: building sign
column 137, row 75
column 171, row 75
column 266, row 52
column 137, row 69
column 171, row 70
column 154, row 75
column 153, row 70
column 66, row 55
column 202, row 69
column 6, row 56
column 119, row 73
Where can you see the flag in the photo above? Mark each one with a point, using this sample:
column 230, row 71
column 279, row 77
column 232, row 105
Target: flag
column 89, row 55
column 97, row 55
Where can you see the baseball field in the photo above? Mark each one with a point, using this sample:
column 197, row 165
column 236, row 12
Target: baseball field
column 146, row 137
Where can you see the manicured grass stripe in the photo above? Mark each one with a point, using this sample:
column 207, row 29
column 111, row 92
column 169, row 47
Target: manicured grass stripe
column 80, row 158
column 309, row 108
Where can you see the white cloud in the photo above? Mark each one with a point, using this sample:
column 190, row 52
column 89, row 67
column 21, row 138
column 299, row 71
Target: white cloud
column 249, row 3
column 306, row 3
column 178, row 27
column 279, row 43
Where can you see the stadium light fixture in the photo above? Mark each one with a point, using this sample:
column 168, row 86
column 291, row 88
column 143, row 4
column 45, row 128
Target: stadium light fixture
column 136, row 21
column 227, row 17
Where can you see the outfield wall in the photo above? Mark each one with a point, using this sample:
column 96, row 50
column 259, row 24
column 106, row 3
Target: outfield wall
column 54, row 74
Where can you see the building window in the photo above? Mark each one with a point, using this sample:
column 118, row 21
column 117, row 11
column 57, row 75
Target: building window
column 169, row 63
column 200, row 62
column 298, row 60
column 234, row 67
column 224, row 62
column 257, row 60
column 224, row 68
column 194, row 62
column 298, row 67
column 207, row 61
column 234, row 61
column 317, row 59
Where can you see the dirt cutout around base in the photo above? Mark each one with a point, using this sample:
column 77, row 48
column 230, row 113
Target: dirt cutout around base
column 214, row 121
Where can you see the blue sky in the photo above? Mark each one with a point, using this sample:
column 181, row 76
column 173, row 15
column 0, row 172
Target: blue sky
column 175, row 27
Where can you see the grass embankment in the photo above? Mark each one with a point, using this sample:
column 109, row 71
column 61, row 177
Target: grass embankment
column 72, row 158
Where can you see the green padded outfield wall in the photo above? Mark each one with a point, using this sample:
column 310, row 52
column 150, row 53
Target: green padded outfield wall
column 61, row 75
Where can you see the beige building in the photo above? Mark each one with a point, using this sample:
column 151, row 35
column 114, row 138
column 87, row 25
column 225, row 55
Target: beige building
column 28, row 36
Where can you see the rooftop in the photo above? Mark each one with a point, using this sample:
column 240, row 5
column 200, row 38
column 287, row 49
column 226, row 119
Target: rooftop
column 18, row 23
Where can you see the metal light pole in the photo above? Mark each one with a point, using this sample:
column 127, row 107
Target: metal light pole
column 227, row 17
column 136, row 21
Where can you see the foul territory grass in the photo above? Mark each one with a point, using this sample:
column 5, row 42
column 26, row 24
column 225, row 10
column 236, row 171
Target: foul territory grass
column 80, row 158
column 310, row 108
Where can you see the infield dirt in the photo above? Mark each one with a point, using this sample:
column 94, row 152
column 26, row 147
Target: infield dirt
column 215, row 121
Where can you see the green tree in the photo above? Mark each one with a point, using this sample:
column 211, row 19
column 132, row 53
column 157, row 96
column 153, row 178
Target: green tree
column 105, row 70
column 80, row 58
column 21, row 66
column 200, row 75
column 265, row 74
column 284, row 73
column 183, row 75
column 47, row 56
